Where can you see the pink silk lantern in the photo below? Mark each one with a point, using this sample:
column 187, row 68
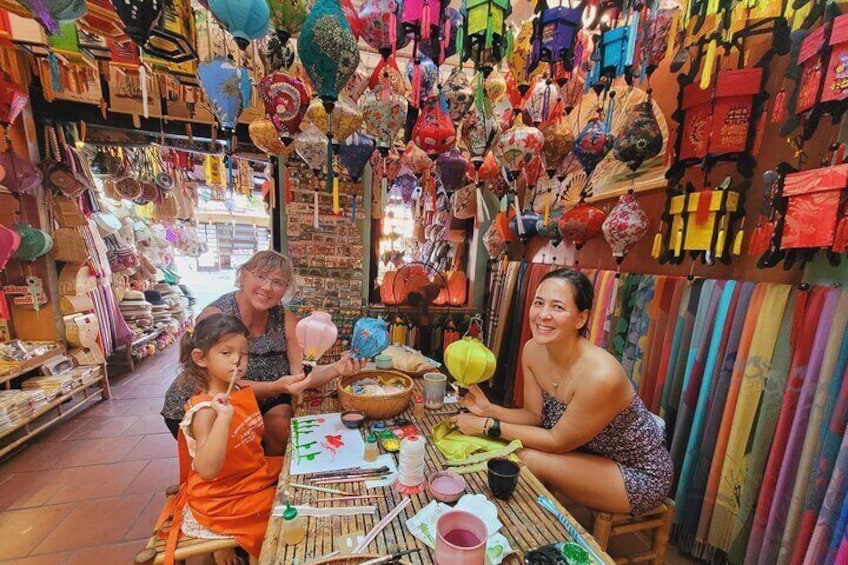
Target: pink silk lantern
column 286, row 100
column 416, row 159
column 421, row 17
column 518, row 146
column 434, row 131
column 581, row 223
column 626, row 224
column 315, row 334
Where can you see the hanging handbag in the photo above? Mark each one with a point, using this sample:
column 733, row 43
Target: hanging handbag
column 835, row 88
column 812, row 58
column 58, row 175
column 812, row 207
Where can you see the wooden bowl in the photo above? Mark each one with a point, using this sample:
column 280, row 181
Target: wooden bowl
column 376, row 407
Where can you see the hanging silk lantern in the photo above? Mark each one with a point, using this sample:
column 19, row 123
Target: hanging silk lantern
column 550, row 230
column 421, row 18
column 484, row 35
column 416, row 159
column 581, row 223
column 356, row 85
column 518, row 146
column 494, row 86
column 541, row 101
column 458, row 94
column 519, row 60
column 451, row 168
column 443, row 44
column 328, row 51
column 246, row 20
column 405, row 184
column 346, row 118
column 592, row 144
column 315, row 334
column 387, row 75
column 625, row 225
column 555, row 38
column 352, row 17
column 354, row 154
column 287, row 17
column 479, row 130
column 369, row 339
column 488, row 170
column 469, row 361
column 423, row 74
column 276, row 54
column 381, row 28
column 285, row 99
column 529, row 219
column 532, row 171
column 388, row 165
column 311, row 146
column 641, row 137
column 558, row 143
column 434, row 131
column 383, row 114
column 13, row 99
column 221, row 82
column 139, row 17
column 263, row 134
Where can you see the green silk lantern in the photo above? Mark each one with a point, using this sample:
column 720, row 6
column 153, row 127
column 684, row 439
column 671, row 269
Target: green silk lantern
column 469, row 361
column 485, row 37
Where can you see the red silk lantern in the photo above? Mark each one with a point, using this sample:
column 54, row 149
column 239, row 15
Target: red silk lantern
column 434, row 131
column 286, row 100
column 581, row 223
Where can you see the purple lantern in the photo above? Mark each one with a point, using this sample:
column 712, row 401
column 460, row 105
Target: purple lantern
column 354, row 154
column 554, row 38
column 450, row 168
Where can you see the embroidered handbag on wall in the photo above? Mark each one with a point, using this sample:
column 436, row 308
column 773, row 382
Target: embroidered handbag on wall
column 700, row 222
column 812, row 208
column 58, row 175
column 835, row 88
column 811, row 58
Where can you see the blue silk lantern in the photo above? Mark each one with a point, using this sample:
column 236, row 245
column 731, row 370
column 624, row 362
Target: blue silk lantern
column 554, row 38
column 370, row 338
column 244, row 19
column 613, row 56
column 354, row 154
column 221, row 82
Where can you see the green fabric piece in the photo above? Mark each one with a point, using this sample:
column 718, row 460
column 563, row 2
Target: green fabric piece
column 456, row 446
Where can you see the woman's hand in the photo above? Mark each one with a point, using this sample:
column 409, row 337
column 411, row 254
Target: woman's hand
column 349, row 365
column 475, row 400
column 222, row 407
column 293, row 384
column 470, row 425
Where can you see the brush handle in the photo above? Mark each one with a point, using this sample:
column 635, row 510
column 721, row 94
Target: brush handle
column 548, row 505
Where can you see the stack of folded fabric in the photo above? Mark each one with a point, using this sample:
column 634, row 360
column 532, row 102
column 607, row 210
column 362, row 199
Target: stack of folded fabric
column 136, row 310
column 52, row 386
column 15, row 409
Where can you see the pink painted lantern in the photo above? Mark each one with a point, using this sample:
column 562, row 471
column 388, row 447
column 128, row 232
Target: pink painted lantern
column 315, row 334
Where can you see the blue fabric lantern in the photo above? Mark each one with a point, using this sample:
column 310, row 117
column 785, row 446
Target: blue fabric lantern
column 221, row 82
column 244, row 19
column 354, row 154
column 370, row 338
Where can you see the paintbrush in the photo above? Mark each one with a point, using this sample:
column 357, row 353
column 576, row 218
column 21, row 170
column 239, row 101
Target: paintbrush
column 346, row 498
column 380, row 471
column 349, row 480
column 357, row 470
column 232, row 381
column 322, row 489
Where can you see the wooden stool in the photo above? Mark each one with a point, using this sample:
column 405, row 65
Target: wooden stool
column 658, row 521
column 154, row 552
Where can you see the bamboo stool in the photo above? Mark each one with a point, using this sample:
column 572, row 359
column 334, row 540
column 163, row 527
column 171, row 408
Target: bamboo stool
column 658, row 522
column 154, row 551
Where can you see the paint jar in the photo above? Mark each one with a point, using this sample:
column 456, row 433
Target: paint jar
column 435, row 385
column 383, row 361
column 418, row 407
column 460, row 539
column 293, row 530
column 371, row 449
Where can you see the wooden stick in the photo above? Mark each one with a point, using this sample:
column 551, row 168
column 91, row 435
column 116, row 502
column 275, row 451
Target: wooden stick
column 351, row 480
column 322, row 489
column 346, row 498
column 232, row 381
column 381, row 525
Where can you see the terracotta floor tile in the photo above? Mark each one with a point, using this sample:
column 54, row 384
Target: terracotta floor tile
column 147, row 425
column 46, row 559
column 27, row 490
column 97, row 481
column 91, row 523
column 93, row 428
column 22, row 530
column 158, row 475
column 117, row 554
column 146, row 521
column 98, row 451
column 124, row 407
column 60, row 432
column 154, row 446
column 37, row 456
column 140, row 391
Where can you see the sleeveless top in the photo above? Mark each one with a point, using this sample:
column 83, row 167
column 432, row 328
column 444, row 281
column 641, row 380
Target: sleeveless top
column 267, row 360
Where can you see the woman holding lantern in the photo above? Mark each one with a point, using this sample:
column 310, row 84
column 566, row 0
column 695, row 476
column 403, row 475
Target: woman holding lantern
column 585, row 431
column 275, row 361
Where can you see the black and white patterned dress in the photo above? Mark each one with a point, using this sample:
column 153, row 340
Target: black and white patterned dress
column 268, row 360
column 635, row 442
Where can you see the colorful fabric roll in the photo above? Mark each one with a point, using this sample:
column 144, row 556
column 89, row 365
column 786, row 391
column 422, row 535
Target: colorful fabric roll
column 679, row 287
column 637, row 331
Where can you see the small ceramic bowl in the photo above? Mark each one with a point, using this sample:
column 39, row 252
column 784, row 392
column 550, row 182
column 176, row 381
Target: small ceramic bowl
column 353, row 419
column 446, row 486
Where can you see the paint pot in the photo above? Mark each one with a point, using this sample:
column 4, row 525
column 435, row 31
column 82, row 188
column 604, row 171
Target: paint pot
column 383, row 361
column 460, row 539
column 446, row 486
column 353, row 419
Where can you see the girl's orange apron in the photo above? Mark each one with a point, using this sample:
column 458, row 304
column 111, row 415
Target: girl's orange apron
column 238, row 501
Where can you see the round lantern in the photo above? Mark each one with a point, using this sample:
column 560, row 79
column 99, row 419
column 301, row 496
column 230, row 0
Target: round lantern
column 458, row 95
column 383, row 114
column 469, row 361
column 529, row 220
column 328, row 51
column 264, row 136
column 311, row 146
column 581, row 223
column 315, row 334
column 381, row 26
column 354, row 154
column 287, row 16
column 641, row 137
column 550, row 230
column 518, row 146
column 346, row 118
column 625, row 225
column 244, row 19
column 285, row 100
column 433, row 131
column 451, row 168
column 370, row 338
column 592, row 144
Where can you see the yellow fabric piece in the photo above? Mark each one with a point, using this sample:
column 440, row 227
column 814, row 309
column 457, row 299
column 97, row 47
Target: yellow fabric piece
column 456, row 446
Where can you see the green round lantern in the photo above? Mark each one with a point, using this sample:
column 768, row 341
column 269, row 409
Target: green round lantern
column 469, row 361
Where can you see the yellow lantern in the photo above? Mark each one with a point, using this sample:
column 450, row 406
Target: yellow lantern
column 469, row 361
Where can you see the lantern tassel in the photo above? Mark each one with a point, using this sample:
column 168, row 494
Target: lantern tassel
column 678, row 242
column 778, row 113
column 460, row 40
column 315, row 222
column 416, row 84
column 518, row 221
column 337, row 209
column 489, row 30
column 709, row 61
column 287, row 186
column 142, row 80
column 547, row 214
column 737, row 239
column 425, row 21
column 384, row 189
column 393, row 32
column 657, row 249
column 330, row 172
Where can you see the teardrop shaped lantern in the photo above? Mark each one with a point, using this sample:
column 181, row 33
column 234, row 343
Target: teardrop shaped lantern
column 558, row 143
column 488, row 170
column 592, row 144
column 384, row 114
column 479, row 130
column 311, row 146
column 434, row 131
column 387, row 75
column 370, row 338
column 221, row 82
column 346, row 118
column 581, row 223
column 458, row 94
column 139, row 17
column 388, row 165
column 315, row 334
column 246, row 20
column 518, row 146
column 276, row 54
column 263, row 134
column 541, row 101
column 625, row 225
column 286, row 100
column 641, row 137
column 451, row 168
column 423, row 74
column 381, row 28
column 287, row 17
column 495, row 86
column 469, row 361
column 328, row 51
column 416, row 159
column 354, row 154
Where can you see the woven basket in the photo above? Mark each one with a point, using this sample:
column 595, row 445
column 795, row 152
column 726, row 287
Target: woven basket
column 81, row 330
column 74, row 304
column 67, row 212
column 69, row 246
column 376, row 407
column 76, row 279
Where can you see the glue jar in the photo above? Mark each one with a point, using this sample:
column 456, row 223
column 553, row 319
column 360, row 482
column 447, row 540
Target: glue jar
column 293, row 530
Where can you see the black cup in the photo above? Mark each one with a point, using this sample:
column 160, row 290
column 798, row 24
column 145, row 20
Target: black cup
column 503, row 477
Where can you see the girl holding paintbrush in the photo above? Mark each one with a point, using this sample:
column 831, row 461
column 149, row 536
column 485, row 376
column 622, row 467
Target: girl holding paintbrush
column 227, row 483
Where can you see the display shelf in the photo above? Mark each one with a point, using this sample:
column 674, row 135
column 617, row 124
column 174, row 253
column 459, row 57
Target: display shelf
column 31, row 364
column 89, row 393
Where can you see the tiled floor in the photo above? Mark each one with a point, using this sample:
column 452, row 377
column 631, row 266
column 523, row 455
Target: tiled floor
column 89, row 490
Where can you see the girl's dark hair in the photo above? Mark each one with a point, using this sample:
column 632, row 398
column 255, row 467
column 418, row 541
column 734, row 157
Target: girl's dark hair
column 208, row 331
column 581, row 289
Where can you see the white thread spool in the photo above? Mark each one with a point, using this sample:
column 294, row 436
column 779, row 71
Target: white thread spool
column 411, row 464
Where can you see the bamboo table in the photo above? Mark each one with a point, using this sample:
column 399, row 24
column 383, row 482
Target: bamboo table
column 525, row 524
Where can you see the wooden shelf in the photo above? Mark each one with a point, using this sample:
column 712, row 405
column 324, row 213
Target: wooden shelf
column 33, row 363
column 57, row 403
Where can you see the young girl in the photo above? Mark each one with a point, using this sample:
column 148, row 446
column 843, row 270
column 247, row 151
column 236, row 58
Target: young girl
column 227, row 484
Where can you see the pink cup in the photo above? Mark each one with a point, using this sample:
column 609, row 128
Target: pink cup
column 460, row 539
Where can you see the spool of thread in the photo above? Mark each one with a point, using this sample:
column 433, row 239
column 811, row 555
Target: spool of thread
column 411, row 465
